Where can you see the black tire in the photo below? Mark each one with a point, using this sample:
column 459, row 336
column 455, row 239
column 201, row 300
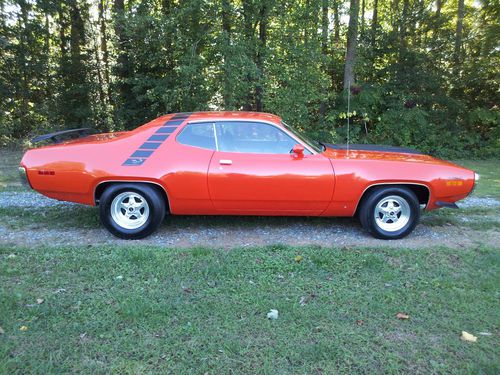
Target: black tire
column 154, row 202
column 402, row 199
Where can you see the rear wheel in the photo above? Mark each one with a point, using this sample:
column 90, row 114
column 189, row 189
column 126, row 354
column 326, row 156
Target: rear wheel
column 132, row 211
column 390, row 212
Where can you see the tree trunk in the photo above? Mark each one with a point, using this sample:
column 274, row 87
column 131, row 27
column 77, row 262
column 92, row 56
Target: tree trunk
column 79, row 96
column 261, row 49
column 336, row 22
column 439, row 5
column 458, row 34
column 324, row 50
column 374, row 24
column 395, row 17
column 23, row 66
column 62, row 34
column 404, row 25
column 324, row 27
column 248, row 32
column 352, row 40
column 123, row 68
column 362, row 32
column 226, row 35
column 104, row 47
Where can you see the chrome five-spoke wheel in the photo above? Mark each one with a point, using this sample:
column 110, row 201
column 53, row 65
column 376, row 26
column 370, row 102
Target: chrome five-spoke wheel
column 390, row 212
column 132, row 210
column 129, row 210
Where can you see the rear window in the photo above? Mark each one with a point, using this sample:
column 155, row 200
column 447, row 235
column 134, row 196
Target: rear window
column 198, row 135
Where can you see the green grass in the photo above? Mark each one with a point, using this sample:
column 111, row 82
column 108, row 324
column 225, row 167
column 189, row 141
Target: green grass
column 155, row 310
column 139, row 310
column 77, row 216
column 477, row 218
column 489, row 184
column 9, row 174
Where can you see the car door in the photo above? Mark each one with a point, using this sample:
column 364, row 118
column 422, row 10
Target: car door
column 253, row 172
column 187, row 159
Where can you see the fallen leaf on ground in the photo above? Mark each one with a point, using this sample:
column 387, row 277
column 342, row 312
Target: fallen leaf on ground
column 360, row 322
column 11, row 256
column 1, row 331
column 298, row 258
column 23, row 328
column 466, row 336
column 40, row 301
column 273, row 314
column 402, row 316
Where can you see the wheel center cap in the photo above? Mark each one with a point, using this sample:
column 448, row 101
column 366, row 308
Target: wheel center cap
column 392, row 213
column 131, row 209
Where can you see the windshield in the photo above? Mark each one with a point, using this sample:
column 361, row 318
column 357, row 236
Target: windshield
column 315, row 145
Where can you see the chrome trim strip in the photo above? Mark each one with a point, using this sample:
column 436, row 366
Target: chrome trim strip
column 215, row 136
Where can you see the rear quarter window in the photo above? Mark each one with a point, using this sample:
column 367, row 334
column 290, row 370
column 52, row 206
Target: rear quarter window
column 198, row 135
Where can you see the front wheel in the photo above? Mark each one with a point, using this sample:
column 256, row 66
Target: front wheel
column 390, row 212
column 132, row 211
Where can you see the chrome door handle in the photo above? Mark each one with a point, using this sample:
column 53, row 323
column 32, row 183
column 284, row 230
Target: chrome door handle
column 225, row 162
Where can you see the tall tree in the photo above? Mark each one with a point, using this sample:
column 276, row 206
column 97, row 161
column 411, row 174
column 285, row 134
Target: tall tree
column 458, row 34
column 374, row 24
column 336, row 21
column 261, row 51
column 123, row 69
column 352, row 41
column 104, row 46
column 226, row 51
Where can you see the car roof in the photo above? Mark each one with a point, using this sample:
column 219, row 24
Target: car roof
column 222, row 115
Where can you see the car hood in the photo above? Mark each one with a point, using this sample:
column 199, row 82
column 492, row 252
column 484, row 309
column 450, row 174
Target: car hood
column 380, row 153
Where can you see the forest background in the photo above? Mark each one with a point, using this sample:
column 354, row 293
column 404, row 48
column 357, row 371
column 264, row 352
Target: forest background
column 420, row 73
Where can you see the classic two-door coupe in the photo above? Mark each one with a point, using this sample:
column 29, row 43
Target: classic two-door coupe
column 239, row 163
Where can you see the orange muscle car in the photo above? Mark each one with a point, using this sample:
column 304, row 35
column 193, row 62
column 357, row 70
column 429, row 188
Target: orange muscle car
column 239, row 163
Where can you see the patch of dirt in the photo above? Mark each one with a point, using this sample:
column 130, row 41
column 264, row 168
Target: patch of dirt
column 244, row 232
column 228, row 232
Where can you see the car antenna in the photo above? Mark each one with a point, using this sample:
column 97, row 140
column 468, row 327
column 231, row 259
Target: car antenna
column 348, row 114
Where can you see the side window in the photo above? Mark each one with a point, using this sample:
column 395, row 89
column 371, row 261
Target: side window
column 198, row 135
column 252, row 137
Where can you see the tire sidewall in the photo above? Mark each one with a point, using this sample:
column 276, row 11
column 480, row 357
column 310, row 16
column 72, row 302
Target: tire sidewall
column 368, row 217
column 156, row 210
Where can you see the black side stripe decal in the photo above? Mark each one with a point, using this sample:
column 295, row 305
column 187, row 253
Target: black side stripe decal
column 149, row 146
column 156, row 140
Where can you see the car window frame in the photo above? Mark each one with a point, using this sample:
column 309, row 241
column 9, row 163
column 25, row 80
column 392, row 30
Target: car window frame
column 284, row 130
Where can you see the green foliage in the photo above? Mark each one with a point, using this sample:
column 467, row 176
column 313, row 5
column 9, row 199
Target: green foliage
column 419, row 83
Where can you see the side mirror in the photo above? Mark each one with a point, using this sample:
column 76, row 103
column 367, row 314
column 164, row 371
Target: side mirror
column 298, row 150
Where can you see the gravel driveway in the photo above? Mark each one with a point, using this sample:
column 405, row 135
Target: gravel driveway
column 227, row 232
